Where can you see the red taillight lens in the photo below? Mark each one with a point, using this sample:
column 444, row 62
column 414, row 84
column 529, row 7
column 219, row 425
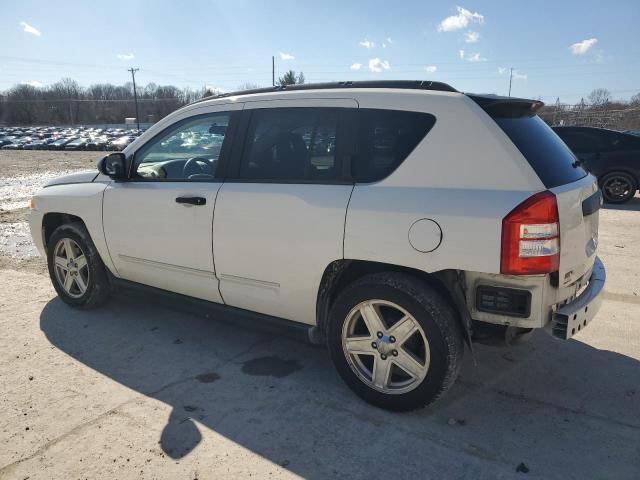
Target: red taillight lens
column 531, row 237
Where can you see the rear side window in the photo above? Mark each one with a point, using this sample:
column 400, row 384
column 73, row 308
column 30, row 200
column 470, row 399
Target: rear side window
column 547, row 154
column 384, row 139
column 291, row 144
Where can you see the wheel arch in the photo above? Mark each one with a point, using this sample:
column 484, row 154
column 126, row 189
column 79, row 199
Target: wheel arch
column 340, row 273
column 52, row 220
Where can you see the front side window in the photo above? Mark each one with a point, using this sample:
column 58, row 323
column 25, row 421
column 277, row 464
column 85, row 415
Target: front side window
column 385, row 140
column 291, row 144
column 189, row 151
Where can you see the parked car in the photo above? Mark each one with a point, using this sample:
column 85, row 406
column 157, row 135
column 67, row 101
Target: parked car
column 97, row 143
column 395, row 221
column 120, row 143
column 77, row 144
column 613, row 157
column 97, row 138
column 60, row 143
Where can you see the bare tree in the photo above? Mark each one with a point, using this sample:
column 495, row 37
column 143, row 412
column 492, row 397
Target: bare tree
column 248, row 86
column 635, row 100
column 599, row 97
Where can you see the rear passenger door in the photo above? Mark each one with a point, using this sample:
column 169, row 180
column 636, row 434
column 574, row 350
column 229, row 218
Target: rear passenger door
column 279, row 217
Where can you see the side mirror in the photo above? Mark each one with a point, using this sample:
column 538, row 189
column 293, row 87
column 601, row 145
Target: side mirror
column 114, row 165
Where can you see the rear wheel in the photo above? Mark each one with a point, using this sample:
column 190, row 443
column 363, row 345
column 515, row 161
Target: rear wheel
column 618, row 187
column 395, row 341
column 75, row 267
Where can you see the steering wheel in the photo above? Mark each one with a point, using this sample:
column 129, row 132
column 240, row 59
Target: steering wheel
column 194, row 166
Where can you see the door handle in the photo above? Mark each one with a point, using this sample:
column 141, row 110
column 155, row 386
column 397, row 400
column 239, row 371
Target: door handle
column 192, row 200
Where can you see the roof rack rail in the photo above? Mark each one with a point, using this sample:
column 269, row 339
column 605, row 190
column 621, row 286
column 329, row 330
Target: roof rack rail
column 404, row 84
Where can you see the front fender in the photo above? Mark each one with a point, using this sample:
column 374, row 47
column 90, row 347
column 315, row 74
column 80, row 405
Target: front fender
column 83, row 200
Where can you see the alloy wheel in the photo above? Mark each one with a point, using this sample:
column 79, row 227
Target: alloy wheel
column 617, row 188
column 71, row 268
column 385, row 346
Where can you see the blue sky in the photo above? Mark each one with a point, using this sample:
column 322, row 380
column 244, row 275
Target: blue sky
column 557, row 48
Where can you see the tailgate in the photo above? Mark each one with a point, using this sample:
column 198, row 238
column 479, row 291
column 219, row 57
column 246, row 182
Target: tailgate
column 578, row 208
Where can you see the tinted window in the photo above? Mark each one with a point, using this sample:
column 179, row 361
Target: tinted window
column 547, row 154
column 291, row 144
column 188, row 151
column 385, row 139
column 581, row 141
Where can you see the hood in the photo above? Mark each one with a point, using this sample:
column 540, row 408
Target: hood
column 82, row 177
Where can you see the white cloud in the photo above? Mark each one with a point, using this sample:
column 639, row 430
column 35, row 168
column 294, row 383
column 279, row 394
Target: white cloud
column 583, row 47
column 366, row 43
column 461, row 54
column 384, row 45
column 355, row 66
column 286, row 56
column 389, row 41
column 377, row 65
column 430, row 68
column 471, row 37
column 519, row 76
column 516, row 74
column 475, row 57
column 459, row 21
column 33, row 83
column 126, row 56
column 29, row 29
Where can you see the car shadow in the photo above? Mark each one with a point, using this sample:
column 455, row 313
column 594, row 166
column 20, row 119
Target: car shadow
column 545, row 404
column 631, row 205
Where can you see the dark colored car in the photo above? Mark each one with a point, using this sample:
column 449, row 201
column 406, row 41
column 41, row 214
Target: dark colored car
column 613, row 157
column 78, row 144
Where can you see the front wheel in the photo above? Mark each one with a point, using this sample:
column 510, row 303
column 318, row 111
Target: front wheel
column 75, row 267
column 395, row 341
column 618, row 187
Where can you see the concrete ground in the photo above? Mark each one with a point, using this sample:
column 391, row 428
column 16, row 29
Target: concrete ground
column 137, row 390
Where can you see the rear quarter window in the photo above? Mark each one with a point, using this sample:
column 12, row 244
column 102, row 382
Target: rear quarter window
column 547, row 154
column 385, row 138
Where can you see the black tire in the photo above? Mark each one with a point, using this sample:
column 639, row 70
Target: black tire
column 98, row 287
column 618, row 187
column 434, row 314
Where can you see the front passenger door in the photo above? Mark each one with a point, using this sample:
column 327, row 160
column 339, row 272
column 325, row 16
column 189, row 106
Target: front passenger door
column 158, row 223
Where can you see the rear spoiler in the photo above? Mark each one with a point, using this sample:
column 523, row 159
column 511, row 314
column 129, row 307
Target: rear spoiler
column 498, row 106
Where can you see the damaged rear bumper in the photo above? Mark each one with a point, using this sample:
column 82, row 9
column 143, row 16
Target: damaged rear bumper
column 572, row 317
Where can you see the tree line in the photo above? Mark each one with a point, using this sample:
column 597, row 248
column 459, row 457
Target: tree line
column 599, row 109
column 68, row 103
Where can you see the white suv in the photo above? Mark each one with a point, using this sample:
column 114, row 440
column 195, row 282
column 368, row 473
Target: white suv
column 395, row 220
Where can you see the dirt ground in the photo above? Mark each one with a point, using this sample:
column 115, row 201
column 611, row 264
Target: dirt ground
column 22, row 173
column 139, row 390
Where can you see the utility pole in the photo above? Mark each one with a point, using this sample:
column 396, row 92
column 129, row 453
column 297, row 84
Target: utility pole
column 273, row 70
column 135, row 94
column 510, row 78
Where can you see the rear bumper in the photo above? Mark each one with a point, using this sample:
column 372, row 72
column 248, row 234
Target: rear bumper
column 572, row 317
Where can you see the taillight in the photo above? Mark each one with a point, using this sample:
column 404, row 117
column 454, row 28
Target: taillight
column 531, row 237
